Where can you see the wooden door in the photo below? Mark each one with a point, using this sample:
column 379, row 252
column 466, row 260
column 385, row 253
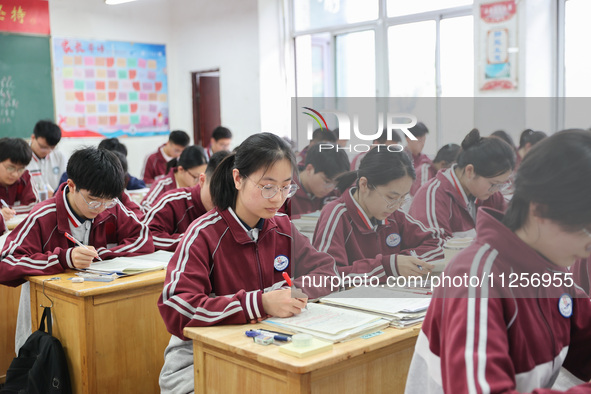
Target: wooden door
column 206, row 105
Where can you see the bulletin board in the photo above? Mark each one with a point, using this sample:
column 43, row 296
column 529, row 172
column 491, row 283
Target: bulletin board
column 110, row 88
column 25, row 84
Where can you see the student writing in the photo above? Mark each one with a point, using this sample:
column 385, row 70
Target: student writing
column 228, row 267
column 183, row 172
column 495, row 339
column 449, row 201
column 174, row 212
column 365, row 231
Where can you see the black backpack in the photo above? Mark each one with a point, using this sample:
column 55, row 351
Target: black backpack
column 41, row 366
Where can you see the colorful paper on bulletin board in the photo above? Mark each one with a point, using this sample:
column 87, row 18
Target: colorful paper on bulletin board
column 110, row 88
column 498, row 46
column 24, row 16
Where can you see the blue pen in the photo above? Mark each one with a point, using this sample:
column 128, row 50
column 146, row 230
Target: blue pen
column 414, row 254
column 276, row 337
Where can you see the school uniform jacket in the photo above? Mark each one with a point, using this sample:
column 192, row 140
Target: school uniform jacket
column 418, row 160
column 21, row 195
column 155, row 166
column 218, row 273
column 38, row 245
column 170, row 217
column 131, row 205
column 424, row 173
column 303, row 202
column 51, row 167
column 361, row 247
column 442, row 204
column 159, row 188
column 487, row 338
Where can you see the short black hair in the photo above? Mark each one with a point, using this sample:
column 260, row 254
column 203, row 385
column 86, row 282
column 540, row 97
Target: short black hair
column 214, row 161
column 179, row 137
column 16, row 150
column 191, row 157
column 490, row 156
column 257, row 151
column 384, row 137
column 97, row 170
column 48, row 130
column 121, row 158
column 419, row 129
column 448, row 153
column 113, row 145
column 220, row 133
column 502, row 134
column 327, row 158
column 529, row 136
column 326, row 135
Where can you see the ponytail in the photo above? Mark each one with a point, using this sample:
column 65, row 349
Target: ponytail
column 490, row 156
column 221, row 187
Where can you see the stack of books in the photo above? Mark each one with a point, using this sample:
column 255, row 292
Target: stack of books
column 306, row 224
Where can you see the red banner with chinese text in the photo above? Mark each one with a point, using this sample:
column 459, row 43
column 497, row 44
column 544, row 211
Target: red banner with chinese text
column 24, row 16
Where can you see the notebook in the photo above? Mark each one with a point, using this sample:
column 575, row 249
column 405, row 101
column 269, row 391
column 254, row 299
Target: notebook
column 133, row 265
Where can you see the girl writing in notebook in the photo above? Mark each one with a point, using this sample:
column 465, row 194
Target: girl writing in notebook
column 513, row 337
column 228, row 268
column 365, row 231
column 449, row 202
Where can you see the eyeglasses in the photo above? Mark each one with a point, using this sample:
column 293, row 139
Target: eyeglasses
column 499, row 187
column 269, row 191
column 195, row 178
column 97, row 204
column 329, row 184
column 44, row 148
column 392, row 203
column 13, row 169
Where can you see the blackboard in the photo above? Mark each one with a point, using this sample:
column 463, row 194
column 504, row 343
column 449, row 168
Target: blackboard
column 26, row 93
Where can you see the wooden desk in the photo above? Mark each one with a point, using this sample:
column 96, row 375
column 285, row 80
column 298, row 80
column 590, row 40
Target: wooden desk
column 226, row 361
column 112, row 332
column 9, row 297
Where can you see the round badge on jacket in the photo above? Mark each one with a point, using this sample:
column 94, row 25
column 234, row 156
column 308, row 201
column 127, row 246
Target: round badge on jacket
column 281, row 262
column 393, row 240
column 565, row 305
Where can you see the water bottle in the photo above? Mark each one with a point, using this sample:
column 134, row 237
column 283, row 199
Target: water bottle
column 39, row 184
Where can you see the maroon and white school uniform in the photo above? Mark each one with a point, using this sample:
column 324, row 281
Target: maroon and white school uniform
column 424, row 173
column 486, row 338
column 131, row 205
column 356, row 162
column 442, row 204
column 38, row 246
column 155, row 166
column 220, row 270
column 417, row 160
column 361, row 246
column 303, row 202
column 21, row 195
column 172, row 215
column 582, row 274
column 159, row 188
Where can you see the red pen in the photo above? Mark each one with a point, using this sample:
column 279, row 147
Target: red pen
column 287, row 279
column 80, row 244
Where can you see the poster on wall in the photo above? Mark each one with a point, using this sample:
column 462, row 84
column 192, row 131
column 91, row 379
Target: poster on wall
column 110, row 88
column 24, row 16
column 498, row 46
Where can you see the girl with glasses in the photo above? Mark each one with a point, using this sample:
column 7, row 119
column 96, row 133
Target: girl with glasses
column 228, row 267
column 449, row 202
column 183, row 172
column 365, row 231
column 503, row 337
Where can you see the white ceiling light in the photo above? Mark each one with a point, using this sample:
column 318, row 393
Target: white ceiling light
column 114, row 2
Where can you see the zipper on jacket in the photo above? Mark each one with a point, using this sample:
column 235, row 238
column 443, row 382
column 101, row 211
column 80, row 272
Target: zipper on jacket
column 554, row 354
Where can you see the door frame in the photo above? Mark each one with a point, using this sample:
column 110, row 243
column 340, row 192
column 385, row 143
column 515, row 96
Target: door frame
column 197, row 133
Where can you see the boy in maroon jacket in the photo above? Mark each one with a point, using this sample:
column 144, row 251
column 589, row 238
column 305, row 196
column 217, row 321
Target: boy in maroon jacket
column 16, row 189
column 156, row 163
column 87, row 208
column 176, row 209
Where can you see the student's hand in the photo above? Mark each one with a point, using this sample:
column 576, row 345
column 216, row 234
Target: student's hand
column 50, row 193
column 7, row 213
column 409, row 266
column 82, row 257
column 280, row 304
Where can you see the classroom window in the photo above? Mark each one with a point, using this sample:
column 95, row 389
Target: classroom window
column 313, row 64
column 355, row 65
column 457, row 57
column 315, row 14
column 577, row 57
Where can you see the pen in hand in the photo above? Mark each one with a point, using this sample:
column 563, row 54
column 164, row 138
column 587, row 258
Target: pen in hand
column 4, row 204
column 290, row 284
column 80, row 244
column 414, row 254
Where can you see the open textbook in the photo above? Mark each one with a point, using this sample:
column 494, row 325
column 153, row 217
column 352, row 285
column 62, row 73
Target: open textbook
column 330, row 323
column 133, row 265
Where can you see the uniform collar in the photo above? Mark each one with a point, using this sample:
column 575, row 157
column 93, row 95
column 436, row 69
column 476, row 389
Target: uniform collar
column 73, row 218
column 454, row 186
column 358, row 215
column 240, row 231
